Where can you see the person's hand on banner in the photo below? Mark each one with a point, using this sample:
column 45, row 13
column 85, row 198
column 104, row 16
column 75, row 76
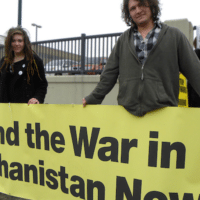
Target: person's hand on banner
column 33, row 101
column 84, row 102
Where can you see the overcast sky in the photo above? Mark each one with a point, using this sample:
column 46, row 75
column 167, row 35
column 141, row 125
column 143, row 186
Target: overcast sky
column 71, row 18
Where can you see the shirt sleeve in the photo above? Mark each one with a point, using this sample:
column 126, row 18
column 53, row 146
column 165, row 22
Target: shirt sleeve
column 189, row 63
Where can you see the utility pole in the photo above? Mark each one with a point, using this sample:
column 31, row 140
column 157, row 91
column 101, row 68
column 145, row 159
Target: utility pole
column 198, row 37
column 20, row 13
column 36, row 27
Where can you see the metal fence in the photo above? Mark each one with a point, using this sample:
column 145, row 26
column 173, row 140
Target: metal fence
column 78, row 55
column 1, row 51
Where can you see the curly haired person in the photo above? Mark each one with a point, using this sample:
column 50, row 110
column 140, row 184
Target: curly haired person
column 146, row 60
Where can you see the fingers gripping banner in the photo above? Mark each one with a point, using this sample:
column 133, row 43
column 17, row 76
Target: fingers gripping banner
column 50, row 152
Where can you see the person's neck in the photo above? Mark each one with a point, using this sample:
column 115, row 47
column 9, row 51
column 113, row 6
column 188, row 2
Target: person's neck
column 18, row 57
column 144, row 29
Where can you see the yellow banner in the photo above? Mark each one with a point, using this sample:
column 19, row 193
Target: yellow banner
column 183, row 93
column 50, row 152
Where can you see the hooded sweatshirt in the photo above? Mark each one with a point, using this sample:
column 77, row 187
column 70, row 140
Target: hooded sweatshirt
column 154, row 84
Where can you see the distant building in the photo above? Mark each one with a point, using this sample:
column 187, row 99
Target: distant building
column 2, row 38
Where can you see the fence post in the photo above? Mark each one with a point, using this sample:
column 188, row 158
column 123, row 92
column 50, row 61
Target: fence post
column 83, row 36
column 2, row 51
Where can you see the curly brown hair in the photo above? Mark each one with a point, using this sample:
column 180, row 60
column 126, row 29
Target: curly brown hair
column 154, row 7
column 9, row 54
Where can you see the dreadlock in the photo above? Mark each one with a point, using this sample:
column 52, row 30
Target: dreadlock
column 9, row 54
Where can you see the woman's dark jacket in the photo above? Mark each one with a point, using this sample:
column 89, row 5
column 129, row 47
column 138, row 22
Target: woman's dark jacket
column 22, row 91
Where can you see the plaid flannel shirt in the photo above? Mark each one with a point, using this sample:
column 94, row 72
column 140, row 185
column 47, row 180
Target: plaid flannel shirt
column 144, row 46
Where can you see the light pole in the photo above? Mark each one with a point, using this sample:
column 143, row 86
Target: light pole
column 36, row 26
column 20, row 13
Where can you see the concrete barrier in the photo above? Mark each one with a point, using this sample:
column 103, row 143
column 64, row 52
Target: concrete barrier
column 71, row 89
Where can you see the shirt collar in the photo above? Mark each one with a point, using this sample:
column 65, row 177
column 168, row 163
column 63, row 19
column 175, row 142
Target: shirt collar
column 157, row 24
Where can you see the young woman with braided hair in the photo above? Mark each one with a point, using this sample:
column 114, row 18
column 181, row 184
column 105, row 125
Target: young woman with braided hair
column 22, row 76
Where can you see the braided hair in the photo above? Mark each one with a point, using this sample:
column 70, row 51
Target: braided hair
column 9, row 54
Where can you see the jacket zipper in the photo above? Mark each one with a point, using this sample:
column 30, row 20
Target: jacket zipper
column 142, row 75
column 140, row 86
column 142, row 79
column 142, row 68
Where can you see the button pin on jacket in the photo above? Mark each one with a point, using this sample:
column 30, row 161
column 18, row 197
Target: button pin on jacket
column 23, row 65
column 10, row 68
column 20, row 73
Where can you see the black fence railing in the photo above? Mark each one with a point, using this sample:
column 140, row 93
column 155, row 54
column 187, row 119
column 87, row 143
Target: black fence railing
column 78, row 55
column 1, row 51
